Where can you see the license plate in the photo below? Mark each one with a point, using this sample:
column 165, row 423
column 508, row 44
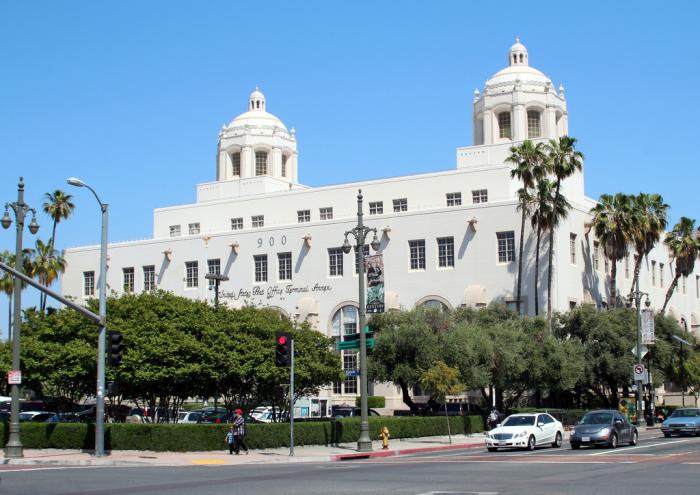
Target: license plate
column 585, row 439
column 501, row 443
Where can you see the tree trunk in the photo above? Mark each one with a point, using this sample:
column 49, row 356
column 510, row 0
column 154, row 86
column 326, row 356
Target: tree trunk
column 407, row 398
column 537, row 271
column 612, row 303
column 637, row 267
column 520, row 260
column 549, row 280
column 669, row 294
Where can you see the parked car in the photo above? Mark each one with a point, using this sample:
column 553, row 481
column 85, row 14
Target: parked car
column 219, row 417
column 260, row 411
column 35, row 416
column 685, row 421
column 350, row 412
column 526, row 431
column 189, row 417
column 64, row 418
column 604, row 427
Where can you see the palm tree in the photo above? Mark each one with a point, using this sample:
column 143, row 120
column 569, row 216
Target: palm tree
column 528, row 167
column 649, row 221
column 683, row 244
column 563, row 160
column 47, row 264
column 612, row 223
column 7, row 281
column 58, row 206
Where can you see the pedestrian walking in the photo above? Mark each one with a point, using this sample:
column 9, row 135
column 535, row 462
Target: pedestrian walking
column 239, row 433
column 230, row 439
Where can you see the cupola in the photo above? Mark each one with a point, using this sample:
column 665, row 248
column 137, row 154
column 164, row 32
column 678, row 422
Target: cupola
column 517, row 55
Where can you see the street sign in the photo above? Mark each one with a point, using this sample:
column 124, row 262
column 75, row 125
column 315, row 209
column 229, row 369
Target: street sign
column 648, row 326
column 14, row 377
column 639, row 372
column 354, row 344
column 351, row 373
column 643, row 350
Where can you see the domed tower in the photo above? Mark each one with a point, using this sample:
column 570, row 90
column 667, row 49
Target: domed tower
column 518, row 103
column 256, row 144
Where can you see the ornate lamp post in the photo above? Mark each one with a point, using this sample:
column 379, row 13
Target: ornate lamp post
column 100, row 398
column 364, row 444
column 637, row 294
column 13, row 449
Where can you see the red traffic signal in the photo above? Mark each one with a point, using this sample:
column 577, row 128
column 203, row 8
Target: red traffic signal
column 282, row 339
column 283, row 349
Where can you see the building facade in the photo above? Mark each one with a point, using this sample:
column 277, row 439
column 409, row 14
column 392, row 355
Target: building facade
column 448, row 238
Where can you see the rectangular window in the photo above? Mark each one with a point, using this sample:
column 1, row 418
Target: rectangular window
column 685, row 282
column 417, row 254
column 284, row 165
column 335, row 262
column 697, row 286
column 572, row 248
column 606, row 262
column 260, row 267
column 174, row 231
column 661, row 275
column 365, row 252
column 506, row 246
column 376, row 207
column 480, row 196
column 128, row 274
column 400, row 205
column 304, row 216
column 149, row 278
column 446, row 251
column 326, row 213
column 533, row 124
column 237, row 223
column 194, row 228
column 191, row 274
column 284, row 263
column 235, row 164
column 213, row 268
column 89, row 283
column 596, row 255
column 257, row 221
column 260, row 163
column 504, row 125
column 653, row 273
column 454, row 199
column 350, row 363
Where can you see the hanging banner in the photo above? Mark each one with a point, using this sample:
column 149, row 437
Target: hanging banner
column 374, row 267
column 647, row 326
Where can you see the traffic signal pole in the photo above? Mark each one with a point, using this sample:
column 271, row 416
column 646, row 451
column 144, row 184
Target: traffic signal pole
column 291, row 401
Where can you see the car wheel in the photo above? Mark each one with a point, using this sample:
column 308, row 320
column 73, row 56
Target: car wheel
column 557, row 441
column 613, row 441
column 492, row 449
column 634, row 438
column 667, row 435
column 575, row 446
column 531, row 444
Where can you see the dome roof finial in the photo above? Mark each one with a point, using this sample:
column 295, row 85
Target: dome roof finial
column 517, row 55
column 256, row 101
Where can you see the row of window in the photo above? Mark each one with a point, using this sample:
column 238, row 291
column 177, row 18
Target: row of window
column 261, row 160
column 326, row 213
column 534, row 127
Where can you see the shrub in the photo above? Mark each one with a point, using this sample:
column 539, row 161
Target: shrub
column 373, row 402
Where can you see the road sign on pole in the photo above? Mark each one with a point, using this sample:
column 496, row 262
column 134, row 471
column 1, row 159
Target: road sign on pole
column 639, row 372
column 648, row 326
column 643, row 351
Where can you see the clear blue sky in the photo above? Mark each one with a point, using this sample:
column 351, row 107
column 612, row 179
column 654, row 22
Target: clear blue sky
column 130, row 95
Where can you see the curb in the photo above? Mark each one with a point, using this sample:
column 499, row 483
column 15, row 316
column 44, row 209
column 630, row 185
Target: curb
column 391, row 453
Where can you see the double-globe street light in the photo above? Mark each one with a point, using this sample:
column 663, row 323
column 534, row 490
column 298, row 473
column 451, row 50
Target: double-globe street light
column 100, row 399
column 364, row 443
column 637, row 295
column 13, row 449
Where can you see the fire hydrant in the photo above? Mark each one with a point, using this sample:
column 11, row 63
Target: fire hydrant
column 384, row 436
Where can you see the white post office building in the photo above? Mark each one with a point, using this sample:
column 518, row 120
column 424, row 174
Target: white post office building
column 448, row 238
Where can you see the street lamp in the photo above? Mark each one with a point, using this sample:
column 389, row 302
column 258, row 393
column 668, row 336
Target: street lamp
column 364, row 443
column 637, row 294
column 13, row 449
column 681, row 341
column 217, row 280
column 100, row 399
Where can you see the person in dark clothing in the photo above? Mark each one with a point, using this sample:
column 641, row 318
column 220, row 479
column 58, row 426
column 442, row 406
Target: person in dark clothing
column 239, row 433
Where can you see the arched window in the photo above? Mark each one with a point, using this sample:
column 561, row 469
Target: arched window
column 521, row 58
column 261, row 163
column 534, row 129
column 435, row 304
column 236, row 164
column 345, row 324
column 504, row 125
column 284, row 165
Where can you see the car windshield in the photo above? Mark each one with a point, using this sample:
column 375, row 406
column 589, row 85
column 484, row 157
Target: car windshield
column 519, row 421
column 597, row 419
column 685, row 413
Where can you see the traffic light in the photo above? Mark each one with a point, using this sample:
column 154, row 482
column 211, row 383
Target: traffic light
column 283, row 349
column 114, row 348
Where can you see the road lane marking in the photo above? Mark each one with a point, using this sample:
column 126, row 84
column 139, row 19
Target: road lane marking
column 208, row 461
column 627, row 449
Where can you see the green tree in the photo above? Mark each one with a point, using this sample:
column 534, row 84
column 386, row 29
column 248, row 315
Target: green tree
column 439, row 381
column 649, row 219
column 563, row 161
column 692, row 376
column 684, row 246
column 612, row 223
column 47, row 264
column 528, row 168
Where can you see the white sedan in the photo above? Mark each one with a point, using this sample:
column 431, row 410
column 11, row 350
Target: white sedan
column 526, row 431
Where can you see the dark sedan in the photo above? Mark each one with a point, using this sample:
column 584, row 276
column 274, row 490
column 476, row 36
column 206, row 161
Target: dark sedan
column 682, row 422
column 607, row 427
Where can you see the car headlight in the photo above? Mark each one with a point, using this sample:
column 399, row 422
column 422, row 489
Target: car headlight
column 604, row 431
column 521, row 434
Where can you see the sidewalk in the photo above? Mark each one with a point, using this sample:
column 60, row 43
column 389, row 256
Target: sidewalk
column 306, row 453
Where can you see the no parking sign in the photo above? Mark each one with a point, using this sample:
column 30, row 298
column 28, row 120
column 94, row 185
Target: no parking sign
column 639, row 372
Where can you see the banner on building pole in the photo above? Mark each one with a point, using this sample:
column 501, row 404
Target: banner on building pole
column 374, row 267
column 647, row 326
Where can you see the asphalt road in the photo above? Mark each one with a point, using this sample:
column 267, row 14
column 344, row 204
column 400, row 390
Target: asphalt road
column 656, row 466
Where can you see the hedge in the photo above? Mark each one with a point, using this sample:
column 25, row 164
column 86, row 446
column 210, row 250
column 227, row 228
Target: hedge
column 192, row 437
column 373, row 402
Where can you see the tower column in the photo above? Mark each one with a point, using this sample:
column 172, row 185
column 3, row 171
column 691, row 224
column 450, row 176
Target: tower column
column 247, row 159
column 519, row 122
column 276, row 162
column 488, row 127
column 551, row 122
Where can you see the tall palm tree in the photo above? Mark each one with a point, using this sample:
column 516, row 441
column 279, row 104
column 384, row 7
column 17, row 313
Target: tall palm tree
column 47, row 264
column 612, row 223
column 528, row 160
column 7, row 281
column 649, row 220
column 563, row 160
column 683, row 244
column 58, row 206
